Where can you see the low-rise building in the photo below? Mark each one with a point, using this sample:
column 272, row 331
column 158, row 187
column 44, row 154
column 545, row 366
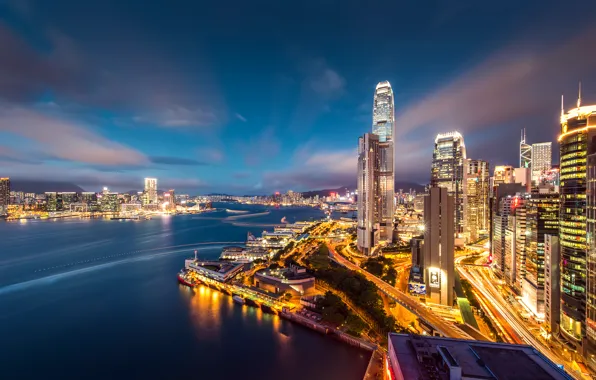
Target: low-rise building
column 294, row 280
column 216, row 270
column 244, row 255
column 425, row 357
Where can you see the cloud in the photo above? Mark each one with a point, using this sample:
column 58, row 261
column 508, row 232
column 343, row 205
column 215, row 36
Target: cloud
column 65, row 139
column 181, row 161
column 210, row 155
column 241, row 175
column 178, row 117
column 323, row 80
column 327, row 169
column 240, row 117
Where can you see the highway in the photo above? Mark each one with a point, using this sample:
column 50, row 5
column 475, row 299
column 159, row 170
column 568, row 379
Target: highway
column 507, row 315
column 444, row 327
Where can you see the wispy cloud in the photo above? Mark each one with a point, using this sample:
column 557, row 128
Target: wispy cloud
column 240, row 117
column 65, row 139
column 260, row 147
column 322, row 79
column 181, row 161
column 178, row 117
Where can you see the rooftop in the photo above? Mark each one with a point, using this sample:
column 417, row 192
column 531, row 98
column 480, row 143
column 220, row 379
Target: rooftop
column 436, row 358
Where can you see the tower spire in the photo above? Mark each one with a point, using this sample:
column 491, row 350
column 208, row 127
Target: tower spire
column 562, row 107
column 579, row 95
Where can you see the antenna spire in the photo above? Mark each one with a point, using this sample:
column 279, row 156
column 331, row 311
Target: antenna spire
column 562, row 107
column 579, row 95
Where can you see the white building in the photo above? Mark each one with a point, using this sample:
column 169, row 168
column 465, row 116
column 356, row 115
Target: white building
column 368, row 193
column 541, row 159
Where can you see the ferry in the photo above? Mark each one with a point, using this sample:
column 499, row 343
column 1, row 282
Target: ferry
column 268, row 309
column 183, row 279
column 238, row 299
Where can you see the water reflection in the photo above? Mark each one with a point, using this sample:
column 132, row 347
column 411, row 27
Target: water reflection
column 206, row 312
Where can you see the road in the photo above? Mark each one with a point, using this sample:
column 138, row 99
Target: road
column 444, row 327
column 506, row 315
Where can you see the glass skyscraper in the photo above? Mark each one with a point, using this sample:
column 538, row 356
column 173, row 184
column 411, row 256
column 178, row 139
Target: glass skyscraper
column 447, row 171
column 383, row 127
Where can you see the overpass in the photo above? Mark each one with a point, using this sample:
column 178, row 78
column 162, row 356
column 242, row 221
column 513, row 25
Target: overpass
column 425, row 315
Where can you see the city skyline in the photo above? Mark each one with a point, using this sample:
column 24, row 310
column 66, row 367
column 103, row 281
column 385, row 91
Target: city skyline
column 264, row 114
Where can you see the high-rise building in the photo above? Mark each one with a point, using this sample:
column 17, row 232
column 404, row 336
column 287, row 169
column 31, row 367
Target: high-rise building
column 523, row 176
column 477, row 212
column 542, row 218
column 51, row 201
column 438, row 247
column 525, row 152
column 520, row 223
column 541, row 159
column 503, row 174
column 577, row 141
column 169, row 199
column 383, row 127
column 368, row 192
column 552, row 280
column 447, row 171
column 150, row 194
column 4, row 194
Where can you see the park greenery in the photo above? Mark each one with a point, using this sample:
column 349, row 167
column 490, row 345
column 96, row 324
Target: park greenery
column 381, row 267
column 467, row 287
column 335, row 311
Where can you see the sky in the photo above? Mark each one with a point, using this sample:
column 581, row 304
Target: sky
column 253, row 97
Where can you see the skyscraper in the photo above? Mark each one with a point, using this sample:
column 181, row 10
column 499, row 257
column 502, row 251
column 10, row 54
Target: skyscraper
column 541, row 159
column 383, row 127
column 447, row 171
column 577, row 142
column 439, row 246
column 368, row 192
column 477, row 207
column 150, row 194
column 4, row 193
column 503, row 174
column 525, row 152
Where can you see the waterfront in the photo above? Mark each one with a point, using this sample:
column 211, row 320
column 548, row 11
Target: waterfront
column 99, row 298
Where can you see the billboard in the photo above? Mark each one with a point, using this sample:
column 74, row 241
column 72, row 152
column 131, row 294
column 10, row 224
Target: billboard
column 416, row 288
column 434, row 276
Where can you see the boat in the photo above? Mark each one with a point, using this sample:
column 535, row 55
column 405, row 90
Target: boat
column 250, row 302
column 182, row 279
column 268, row 309
column 238, row 299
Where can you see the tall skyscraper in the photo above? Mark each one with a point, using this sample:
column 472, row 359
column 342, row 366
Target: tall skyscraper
column 4, row 193
column 447, row 171
column 438, row 246
column 577, row 142
column 541, row 159
column 383, row 127
column 525, row 152
column 368, row 192
column 150, row 195
column 552, row 280
column 477, row 211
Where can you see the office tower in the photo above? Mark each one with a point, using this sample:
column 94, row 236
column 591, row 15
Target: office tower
column 519, row 220
column 368, row 193
column 51, row 201
column 438, row 247
column 525, row 152
column 169, row 199
column 509, row 248
column 90, row 199
column 500, row 210
column 577, row 141
column 523, row 176
column 109, row 202
column 477, row 209
column 4, row 194
column 150, row 194
column 447, row 171
column 66, row 199
column 542, row 218
column 503, row 174
column 541, row 159
column 591, row 255
column 383, row 127
column 552, row 289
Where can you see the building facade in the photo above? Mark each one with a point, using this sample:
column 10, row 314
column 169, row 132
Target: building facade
column 438, row 247
column 576, row 142
column 447, row 171
column 525, row 152
column 383, row 127
column 150, row 193
column 552, row 281
column 477, row 213
column 4, row 194
column 503, row 174
column 368, row 193
column 541, row 159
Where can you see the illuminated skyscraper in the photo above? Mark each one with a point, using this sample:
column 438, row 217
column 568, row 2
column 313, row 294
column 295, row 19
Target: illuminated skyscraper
column 525, row 152
column 383, row 127
column 477, row 198
column 577, row 143
column 503, row 174
column 447, row 171
column 368, row 192
column 4, row 193
column 150, row 194
column 541, row 159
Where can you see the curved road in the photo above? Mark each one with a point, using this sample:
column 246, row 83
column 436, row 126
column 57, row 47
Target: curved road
column 444, row 327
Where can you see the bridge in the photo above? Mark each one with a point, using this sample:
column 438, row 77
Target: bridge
column 409, row 303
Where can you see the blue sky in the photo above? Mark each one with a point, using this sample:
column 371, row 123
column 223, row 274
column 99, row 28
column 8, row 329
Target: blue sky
column 261, row 96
